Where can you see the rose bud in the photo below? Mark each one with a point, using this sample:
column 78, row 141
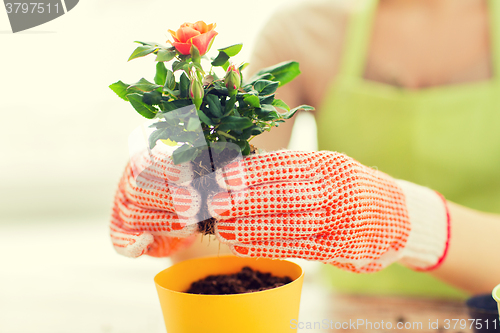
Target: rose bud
column 196, row 93
column 232, row 79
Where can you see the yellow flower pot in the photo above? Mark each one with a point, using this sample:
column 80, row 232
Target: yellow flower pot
column 263, row 311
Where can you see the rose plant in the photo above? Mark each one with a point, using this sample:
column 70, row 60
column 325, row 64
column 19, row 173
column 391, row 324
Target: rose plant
column 207, row 112
column 229, row 109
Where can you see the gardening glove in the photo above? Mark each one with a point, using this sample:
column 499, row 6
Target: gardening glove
column 326, row 206
column 155, row 206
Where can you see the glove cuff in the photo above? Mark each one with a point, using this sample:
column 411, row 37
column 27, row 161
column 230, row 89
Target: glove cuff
column 428, row 241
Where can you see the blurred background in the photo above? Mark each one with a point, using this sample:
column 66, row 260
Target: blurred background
column 63, row 142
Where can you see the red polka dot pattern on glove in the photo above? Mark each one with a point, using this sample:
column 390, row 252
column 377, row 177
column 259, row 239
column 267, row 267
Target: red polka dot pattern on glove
column 155, row 207
column 321, row 206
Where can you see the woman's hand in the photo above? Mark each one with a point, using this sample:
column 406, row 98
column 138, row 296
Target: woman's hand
column 328, row 207
column 155, row 206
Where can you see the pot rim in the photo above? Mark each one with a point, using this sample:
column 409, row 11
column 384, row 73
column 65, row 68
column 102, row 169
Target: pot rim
column 296, row 280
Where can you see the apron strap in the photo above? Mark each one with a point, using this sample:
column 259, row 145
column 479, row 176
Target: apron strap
column 358, row 38
column 494, row 22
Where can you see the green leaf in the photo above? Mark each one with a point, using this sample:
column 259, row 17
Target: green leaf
column 152, row 98
column 266, row 99
column 178, row 65
column 267, row 113
column 142, row 108
column 221, row 59
column 159, row 124
column 229, row 136
column 152, row 44
column 199, row 67
column 171, row 92
column 234, row 123
column 280, row 104
column 142, row 51
column 269, row 116
column 290, row 113
column 205, row 119
column 248, row 85
column 231, row 148
column 177, row 104
column 195, row 54
column 243, row 66
column 120, row 89
column 184, row 57
column 268, row 107
column 245, row 147
column 169, row 81
column 251, row 131
column 229, row 105
column 193, row 124
column 184, row 86
column 283, row 72
column 255, row 130
column 232, row 50
column 157, row 135
column 214, row 105
column 252, row 100
column 165, row 55
column 261, row 84
column 269, row 89
column 184, row 153
column 220, row 89
column 161, row 74
column 266, row 87
column 144, row 85
column 225, row 66
column 180, row 135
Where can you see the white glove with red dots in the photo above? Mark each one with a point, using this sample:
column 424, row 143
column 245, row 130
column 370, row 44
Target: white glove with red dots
column 154, row 207
column 326, row 206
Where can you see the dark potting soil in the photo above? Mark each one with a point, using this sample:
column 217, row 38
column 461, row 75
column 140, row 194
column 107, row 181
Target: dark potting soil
column 204, row 167
column 245, row 281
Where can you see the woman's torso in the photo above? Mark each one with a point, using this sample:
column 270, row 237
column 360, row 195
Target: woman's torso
column 439, row 131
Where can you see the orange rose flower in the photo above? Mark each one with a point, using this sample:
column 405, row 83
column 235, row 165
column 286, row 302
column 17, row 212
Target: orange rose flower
column 198, row 34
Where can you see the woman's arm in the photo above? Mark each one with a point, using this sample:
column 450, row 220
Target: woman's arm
column 269, row 51
column 312, row 34
column 473, row 256
column 279, row 137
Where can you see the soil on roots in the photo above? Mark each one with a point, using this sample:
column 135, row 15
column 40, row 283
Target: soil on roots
column 204, row 166
column 207, row 227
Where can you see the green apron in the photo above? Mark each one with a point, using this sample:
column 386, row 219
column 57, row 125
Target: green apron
column 446, row 138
